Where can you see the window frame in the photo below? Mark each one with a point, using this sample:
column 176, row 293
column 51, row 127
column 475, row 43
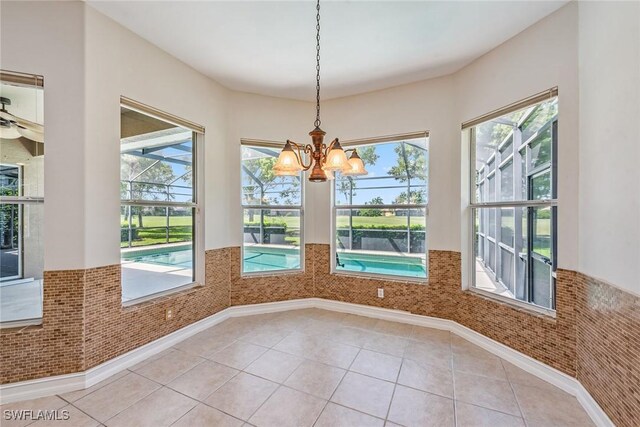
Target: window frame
column 196, row 205
column 476, row 207
column 300, row 208
column 335, row 208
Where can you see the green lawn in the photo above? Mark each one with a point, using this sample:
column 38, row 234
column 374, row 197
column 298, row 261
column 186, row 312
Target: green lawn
column 342, row 221
column 156, row 221
column 179, row 231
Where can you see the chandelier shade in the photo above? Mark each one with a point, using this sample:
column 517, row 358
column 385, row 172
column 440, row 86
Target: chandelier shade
column 355, row 166
column 324, row 160
column 336, row 159
column 288, row 163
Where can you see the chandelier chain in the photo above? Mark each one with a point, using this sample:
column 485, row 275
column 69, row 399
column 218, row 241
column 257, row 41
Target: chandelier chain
column 317, row 122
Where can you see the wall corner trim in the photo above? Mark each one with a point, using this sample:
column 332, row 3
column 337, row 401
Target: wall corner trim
column 65, row 383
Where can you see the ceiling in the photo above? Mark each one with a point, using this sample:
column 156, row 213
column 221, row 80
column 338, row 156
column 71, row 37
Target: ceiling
column 268, row 47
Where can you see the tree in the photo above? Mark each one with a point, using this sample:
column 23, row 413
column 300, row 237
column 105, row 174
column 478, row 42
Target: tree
column 376, row 201
column 411, row 162
column 262, row 186
column 347, row 185
column 415, row 197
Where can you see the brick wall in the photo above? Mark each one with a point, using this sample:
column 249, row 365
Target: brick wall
column 594, row 337
column 55, row 347
column 608, row 348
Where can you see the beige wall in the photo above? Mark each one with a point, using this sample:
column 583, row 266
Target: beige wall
column 55, row 51
column 609, row 211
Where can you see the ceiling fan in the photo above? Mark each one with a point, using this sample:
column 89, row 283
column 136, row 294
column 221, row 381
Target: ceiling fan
column 12, row 127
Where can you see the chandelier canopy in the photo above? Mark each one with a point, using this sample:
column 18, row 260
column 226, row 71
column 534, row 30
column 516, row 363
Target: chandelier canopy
column 323, row 160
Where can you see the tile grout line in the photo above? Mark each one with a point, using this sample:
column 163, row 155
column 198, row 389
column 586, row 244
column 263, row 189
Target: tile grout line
column 393, row 394
column 515, row 396
column 337, row 387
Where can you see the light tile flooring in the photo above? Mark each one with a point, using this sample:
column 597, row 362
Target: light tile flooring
column 317, row 368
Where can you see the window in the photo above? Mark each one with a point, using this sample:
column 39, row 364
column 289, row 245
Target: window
column 272, row 211
column 514, row 201
column 22, row 194
column 380, row 219
column 159, row 205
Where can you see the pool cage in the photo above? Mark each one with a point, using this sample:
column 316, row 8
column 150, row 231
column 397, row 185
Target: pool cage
column 272, row 205
column 515, row 234
column 156, row 188
column 396, row 225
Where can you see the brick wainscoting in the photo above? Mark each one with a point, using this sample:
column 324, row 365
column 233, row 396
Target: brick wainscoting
column 594, row 337
column 608, row 348
column 55, row 347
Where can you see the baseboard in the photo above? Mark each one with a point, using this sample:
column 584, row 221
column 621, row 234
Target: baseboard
column 64, row 383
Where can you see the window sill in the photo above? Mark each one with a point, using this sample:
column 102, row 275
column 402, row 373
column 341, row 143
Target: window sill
column 516, row 304
column 271, row 273
column 20, row 324
column 383, row 277
column 158, row 295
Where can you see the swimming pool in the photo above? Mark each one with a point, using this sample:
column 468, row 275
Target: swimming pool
column 392, row 265
column 178, row 256
column 265, row 259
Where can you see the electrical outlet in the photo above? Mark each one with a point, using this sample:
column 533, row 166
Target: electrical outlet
column 168, row 314
column 380, row 292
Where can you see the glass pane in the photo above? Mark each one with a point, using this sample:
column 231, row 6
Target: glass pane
column 21, row 262
column 491, row 189
column 398, row 174
column 507, row 148
column 541, row 283
column 157, row 249
column 510, row 271
column 540, row 149
column 21, row 225
column 506, row 181
column 157, row 242
column 541, row 186
column 542, row 232
column 504, row 132
column 507, row 226
column 260, row 186
column 541, row 115
column 506, row 269
column 391, row 243
column 156, row 159
column 492, row 223
column 180, row 225
column 271, row 240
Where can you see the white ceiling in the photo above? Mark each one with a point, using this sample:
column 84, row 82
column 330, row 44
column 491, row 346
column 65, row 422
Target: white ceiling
column 268, row 47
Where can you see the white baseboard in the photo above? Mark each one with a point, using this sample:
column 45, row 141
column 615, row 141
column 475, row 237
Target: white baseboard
column 64, row 383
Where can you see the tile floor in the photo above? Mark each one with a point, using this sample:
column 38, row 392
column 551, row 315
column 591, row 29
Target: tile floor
column 317, row 368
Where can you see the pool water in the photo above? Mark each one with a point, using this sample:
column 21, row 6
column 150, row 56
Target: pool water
column 393, row 265
column 177, row 257
column 264, row 259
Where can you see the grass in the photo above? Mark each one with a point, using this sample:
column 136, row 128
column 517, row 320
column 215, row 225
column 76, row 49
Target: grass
column 157, row 221
column 179, row 230
column 343, row 221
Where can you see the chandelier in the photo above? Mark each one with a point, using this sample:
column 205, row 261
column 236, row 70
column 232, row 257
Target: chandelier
column 323, row 160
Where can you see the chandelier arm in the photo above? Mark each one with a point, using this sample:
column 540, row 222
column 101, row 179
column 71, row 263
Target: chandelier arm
column 302, row 149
